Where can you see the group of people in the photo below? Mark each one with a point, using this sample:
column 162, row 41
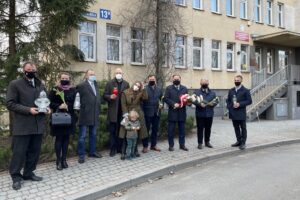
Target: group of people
column 133, row 115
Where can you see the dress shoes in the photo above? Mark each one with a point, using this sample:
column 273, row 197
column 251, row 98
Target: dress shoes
column 171, row 148
column 200, row 146
column 33, row 177
column 95, row 155
column 123, row 156
column 112, row 153
column 145, row 150
column 81, row 160
column 64, row 164
column 155, row 148
column 237, row 144
column 207, row 144
column 59, row 165
column 183, row 148
column 242, row 147
column 137, row 154
column 16, row 185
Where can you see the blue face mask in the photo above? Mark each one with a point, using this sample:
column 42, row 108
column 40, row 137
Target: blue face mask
column 92, row 78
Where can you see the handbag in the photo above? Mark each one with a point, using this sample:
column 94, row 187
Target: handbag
column 61, row 119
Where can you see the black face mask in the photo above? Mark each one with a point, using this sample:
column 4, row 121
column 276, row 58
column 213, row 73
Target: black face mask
column 237, row 83
column 30, row 75
column 204, row 86
column 64, row 82
column 151, row 83
column 176, row 82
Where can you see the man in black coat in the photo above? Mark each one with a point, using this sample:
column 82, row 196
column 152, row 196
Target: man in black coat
column 176, row 113
column 28, row 125
column 238, row 99
column 152, row 113
column 112, row 94
column 88, row 115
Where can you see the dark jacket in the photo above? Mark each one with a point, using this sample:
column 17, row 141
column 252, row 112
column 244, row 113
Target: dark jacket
column 208, row 95
column 89, row 104
column 19, row 99
column 56, row 101
column 172, row 96
column 151, row 105
column 243, row 98
column 114, row 106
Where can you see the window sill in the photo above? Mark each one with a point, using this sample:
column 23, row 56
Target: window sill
column 180, row 67
column 281, row 27
column 114, row 62
column 90, row 61
column 245, row 71
column 270, row 73
column 138, row 64
column 182, row 5
column 216, row 70
column 272, row 25
column 198, row 68
column 261, row 23
column 216, row 13
column 245, row 19
column 230, row 70
column 198, row 9
column 231, row 16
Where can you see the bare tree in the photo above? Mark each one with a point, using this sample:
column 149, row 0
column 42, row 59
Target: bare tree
column 161, row 21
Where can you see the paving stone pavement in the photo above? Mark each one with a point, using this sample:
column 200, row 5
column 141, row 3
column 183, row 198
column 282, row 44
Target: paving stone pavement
column 99, row 174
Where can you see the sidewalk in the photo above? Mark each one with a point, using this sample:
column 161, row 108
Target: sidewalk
column 99, row 177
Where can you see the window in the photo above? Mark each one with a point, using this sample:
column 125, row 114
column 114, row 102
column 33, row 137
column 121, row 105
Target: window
column 280, row 15
column 244, row 57
column 243, row 9
column 137, row 46
column 197, row 53
column 258, row 58
column 257, row 10
column 230, row 56
column 87, row 40
column 270, row 61
column 180, row 2
column 216, row 54
column 113, row 34
column 230, row 7
column 215, row 6
column 269, row 15
column 198, row 4
column 180, row 51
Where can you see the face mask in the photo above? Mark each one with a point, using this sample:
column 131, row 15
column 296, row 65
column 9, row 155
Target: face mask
column 176, row 82
column 92, row 78
column 151, row 83
column 30, row 75
column 237, row 83
column 64, row 82
column 119, row 76
column 204, row 86
column 135, row 88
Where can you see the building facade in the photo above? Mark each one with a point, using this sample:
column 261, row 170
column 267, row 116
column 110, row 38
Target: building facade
column 220, row 38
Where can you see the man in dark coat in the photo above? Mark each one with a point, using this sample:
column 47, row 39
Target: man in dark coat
column 238, row 98
column 112, row 94
column 88, row 115
column 152, row 112
column 205, row 113
column 176, row 113
column 28, row 125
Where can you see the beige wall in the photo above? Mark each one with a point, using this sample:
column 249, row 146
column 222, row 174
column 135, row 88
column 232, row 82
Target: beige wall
column 202, row 24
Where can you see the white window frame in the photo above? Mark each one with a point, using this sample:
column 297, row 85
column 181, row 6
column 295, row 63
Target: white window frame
column 258, row 55
column 280, row 15
column 258, row 6
column 93, row 35
column 244, row 3
column 246, row 54
column 200, row 3
column 110, row 37
column 183, row 46
column 218, row 6
column 197, row 48
column 270, row 61
column 137, row 41
column 219, row 55
column 179, row 3
column 232, row 8
column 269, row 15
column 232, row 52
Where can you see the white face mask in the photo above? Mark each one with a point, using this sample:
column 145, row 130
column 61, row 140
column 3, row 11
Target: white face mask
column 135, row 88
column 119, row 76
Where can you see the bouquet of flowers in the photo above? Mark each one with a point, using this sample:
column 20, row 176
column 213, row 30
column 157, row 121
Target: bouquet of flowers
column 213, row 102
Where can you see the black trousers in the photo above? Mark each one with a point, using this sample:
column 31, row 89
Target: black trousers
column 204, row 128
column 115, row 142
column 61, row 146
column 240, row 130
column 26, row 151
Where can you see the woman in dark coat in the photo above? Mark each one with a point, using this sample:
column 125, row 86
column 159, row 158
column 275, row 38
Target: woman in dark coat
column 62, row 133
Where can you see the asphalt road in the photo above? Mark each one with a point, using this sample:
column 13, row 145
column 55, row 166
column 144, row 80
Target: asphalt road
column 270, row 174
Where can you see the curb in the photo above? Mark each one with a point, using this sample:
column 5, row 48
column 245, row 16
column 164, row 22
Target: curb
column 94, row 194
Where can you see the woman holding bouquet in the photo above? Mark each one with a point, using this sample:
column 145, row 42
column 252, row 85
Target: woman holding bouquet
column 62, row 99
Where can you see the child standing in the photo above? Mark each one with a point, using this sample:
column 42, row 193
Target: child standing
column 132, row 126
